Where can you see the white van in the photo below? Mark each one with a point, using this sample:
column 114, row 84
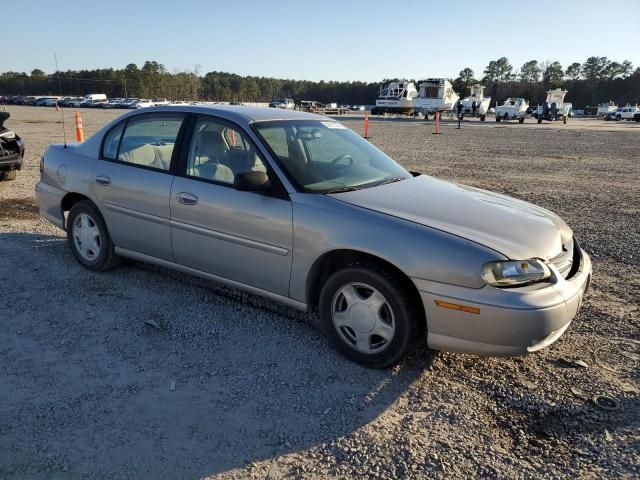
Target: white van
column 95, row 97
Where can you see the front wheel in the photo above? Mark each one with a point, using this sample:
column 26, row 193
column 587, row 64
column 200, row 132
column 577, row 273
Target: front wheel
column 89, row 238
column 368, row 316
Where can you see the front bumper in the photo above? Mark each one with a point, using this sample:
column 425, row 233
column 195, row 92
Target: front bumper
column 13, row 161
column 508, row 321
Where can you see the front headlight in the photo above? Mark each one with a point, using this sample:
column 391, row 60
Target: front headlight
column 515, row 273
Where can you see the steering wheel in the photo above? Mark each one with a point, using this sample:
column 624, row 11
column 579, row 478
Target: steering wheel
column 345, row 156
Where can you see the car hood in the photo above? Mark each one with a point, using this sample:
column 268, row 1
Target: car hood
column 516, row 229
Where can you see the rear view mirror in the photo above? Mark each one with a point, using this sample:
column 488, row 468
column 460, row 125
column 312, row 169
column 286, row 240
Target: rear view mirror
column 309, row 134
column 251, row 182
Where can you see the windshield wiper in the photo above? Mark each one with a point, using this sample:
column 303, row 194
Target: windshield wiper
column 344, row 188
column 387, row 180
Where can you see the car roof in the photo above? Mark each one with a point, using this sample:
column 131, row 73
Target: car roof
column 239, row 113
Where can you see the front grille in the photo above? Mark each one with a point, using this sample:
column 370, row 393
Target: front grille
column 564, row 261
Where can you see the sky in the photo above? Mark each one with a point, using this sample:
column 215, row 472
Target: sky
column 320, row 40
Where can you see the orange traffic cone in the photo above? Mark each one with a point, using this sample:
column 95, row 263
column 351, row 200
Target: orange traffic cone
column 79, row 132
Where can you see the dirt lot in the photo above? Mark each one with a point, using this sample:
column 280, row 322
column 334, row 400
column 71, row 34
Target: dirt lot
column 233, row 389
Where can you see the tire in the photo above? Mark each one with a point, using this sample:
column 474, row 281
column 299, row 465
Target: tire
column 398, row 317
column 564, row 120
column 482, row 118
column 8, row 175
column 498, row 119
column 100, row 256
column 539, row 119
column 521, row 120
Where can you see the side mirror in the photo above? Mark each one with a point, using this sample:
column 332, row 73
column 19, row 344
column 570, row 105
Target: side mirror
column 252, row 182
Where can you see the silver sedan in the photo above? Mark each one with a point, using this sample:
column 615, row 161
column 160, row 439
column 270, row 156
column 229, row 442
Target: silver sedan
column 300, row 209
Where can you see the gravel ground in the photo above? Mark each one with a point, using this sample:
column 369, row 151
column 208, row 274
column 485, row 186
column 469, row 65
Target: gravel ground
column 233, row 386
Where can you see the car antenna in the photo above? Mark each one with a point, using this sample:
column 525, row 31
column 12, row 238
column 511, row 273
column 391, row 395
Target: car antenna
column 64, row 131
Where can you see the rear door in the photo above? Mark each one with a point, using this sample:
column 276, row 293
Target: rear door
column 241, row 236
column 133, row 181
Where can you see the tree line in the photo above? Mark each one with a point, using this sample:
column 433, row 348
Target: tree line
column 596, row 80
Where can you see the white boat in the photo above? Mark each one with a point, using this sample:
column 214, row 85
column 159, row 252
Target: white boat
column 513, row 108
column 554, row 107
column 396, row 97
column 435, row 95
column 481, row 102
column 606, row 108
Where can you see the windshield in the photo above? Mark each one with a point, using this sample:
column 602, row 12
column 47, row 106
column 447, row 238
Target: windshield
column 324, row 156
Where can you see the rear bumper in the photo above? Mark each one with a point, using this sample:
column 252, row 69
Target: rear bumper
column 508, row 321
column 50, row 203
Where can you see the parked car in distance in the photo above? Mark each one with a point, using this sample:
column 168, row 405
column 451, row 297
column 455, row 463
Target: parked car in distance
column 113, row 103
column 613, row 115
column 96, row 97
column 51, row 102
column 144, row 103
column 11, row 150
column 98, row 103
column 626, row 113
column 286, row 103
column 298, row 208
column 129, row 102
column 77, row 102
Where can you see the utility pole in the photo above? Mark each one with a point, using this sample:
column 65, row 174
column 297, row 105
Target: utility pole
column 125, row 87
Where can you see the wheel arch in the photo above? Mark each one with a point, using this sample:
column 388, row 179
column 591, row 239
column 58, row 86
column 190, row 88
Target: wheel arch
column 70, row 199
column 333, row 260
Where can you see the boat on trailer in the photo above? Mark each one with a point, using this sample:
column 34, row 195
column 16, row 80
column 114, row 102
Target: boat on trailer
column 513, row 108
column 395, row 97
column 554, row 107
column 434, row 95
column 606, row 108
column 476, row 95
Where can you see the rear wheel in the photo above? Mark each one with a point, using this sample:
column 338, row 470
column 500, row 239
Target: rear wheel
column 8, row 175
column 89, row 238
column 368, row 316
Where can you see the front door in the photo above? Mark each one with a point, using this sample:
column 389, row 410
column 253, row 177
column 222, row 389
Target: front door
column 241, row 236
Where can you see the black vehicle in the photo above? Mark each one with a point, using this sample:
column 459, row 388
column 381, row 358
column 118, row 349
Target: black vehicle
column 11, row 150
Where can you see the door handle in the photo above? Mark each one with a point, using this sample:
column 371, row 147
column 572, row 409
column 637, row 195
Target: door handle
column 186, row 198
column 103, row 180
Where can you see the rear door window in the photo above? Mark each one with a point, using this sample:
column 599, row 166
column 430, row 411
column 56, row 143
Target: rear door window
column 112, row 141
column 149, row 140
